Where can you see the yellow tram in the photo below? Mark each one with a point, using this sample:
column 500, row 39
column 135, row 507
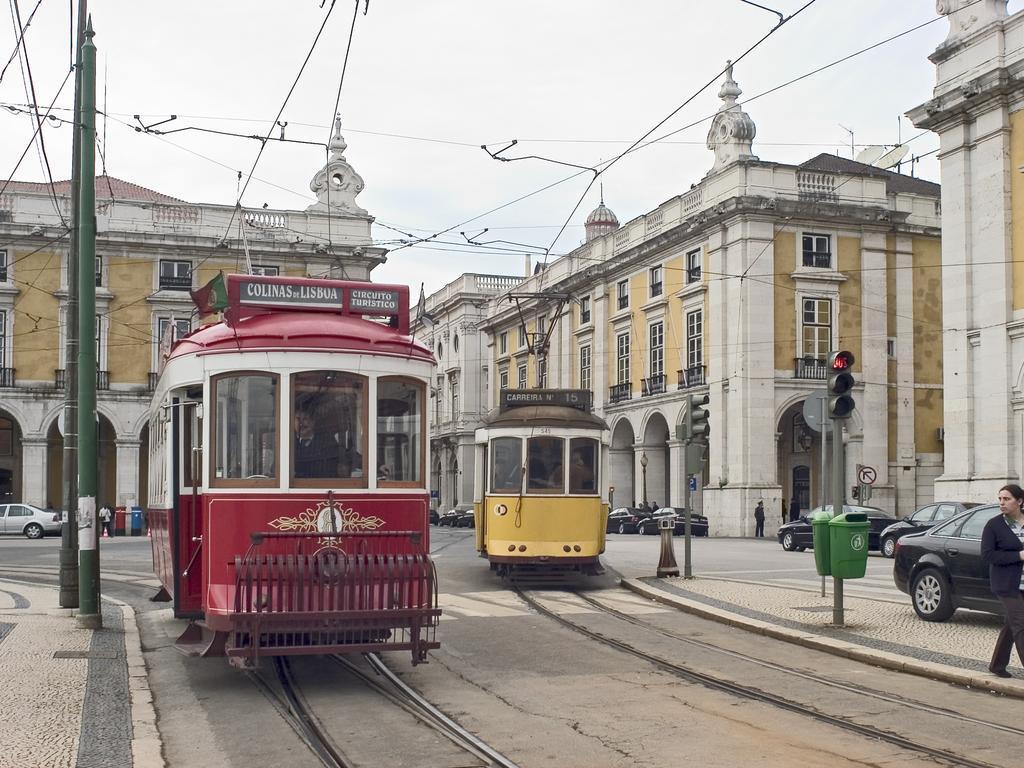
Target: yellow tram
column 539, row 501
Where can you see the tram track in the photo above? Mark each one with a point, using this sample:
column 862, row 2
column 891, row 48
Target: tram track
column 751, row 693
column 287, row 697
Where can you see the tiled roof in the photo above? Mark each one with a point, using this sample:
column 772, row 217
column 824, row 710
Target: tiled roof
column 895, row 182
column 106, row 187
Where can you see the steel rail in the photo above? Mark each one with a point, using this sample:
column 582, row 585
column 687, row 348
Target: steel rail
column 294, row 710
column 409, row 699
column 848, row 687
column 754, row 694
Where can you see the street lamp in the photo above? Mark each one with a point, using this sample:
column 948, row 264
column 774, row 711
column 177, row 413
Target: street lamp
column 643, row 474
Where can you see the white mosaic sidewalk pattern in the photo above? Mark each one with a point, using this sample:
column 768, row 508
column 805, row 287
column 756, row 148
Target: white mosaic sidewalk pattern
column 41, row 701
column 969, row 634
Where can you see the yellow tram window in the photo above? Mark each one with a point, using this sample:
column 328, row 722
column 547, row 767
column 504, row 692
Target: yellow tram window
column 507, row 465
column 400, row 431
column 246, row 429
column 544, row 460
column 329, row 430
column 582, row 465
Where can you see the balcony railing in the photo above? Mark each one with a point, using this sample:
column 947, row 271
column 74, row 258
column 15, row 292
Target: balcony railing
column 584, row 317
column 810, row 368
column 619, row 392
column 6, row 377
column 652, row 385
column 818, row 259
column 656, row 289
column 151, row 382
column 173, row 283
column 3, row 273
column 693, row 275
column 691, row 377
column 60, row 379
column 623, row 302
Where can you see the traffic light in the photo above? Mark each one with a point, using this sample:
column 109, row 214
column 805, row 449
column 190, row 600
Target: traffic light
column 697, row 427
column 840, row 382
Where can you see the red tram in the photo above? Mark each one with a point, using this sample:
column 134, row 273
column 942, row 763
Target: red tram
column 287, row 474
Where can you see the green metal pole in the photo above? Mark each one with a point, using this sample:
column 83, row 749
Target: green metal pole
column 838, row 503
column 69, row 472
column 88, row 541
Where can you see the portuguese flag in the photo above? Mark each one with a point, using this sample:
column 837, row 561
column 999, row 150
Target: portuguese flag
column 212, row 297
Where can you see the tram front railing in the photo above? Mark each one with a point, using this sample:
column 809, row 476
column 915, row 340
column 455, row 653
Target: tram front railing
column 334, row 592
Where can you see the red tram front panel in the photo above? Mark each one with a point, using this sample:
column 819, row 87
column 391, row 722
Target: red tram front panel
column 231, row 520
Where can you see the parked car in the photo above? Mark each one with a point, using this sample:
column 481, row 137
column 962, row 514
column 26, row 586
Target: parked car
column 797, row 534
column 922, row 520
column 625, row 519
column 942, row 570
column 434, row 516
column 27, row 520
column 698, row 523
column 464, row 519
column 448, row 518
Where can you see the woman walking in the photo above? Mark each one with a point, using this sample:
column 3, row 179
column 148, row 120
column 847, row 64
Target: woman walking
column 1002, row 547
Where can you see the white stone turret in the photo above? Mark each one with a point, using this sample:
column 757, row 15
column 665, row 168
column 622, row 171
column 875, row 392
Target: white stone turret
column 732, row 130
column 337, row 183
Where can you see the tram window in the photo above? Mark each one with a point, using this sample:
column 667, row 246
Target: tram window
column 329, row 439
column 582, row 465
column 507, row 465
column 400, row 431
column 192, row 444
column 246, row 429
column 544, row 459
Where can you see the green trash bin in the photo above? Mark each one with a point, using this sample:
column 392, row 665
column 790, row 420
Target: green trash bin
column 848, row 541
column 819, row 531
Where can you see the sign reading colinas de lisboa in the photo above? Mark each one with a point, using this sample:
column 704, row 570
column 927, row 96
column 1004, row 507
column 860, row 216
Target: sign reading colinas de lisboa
column 288, row 294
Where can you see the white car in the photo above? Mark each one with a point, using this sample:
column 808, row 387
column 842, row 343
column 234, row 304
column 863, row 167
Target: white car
column 27, row 520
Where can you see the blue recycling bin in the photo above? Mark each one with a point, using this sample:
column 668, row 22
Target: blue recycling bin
column 136, row 521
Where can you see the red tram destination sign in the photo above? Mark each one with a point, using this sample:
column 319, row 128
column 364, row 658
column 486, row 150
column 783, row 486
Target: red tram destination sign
column 250, row 295
column 580, row 399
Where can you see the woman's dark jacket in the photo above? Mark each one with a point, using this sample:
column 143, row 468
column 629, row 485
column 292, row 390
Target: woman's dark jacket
column 1000, row 548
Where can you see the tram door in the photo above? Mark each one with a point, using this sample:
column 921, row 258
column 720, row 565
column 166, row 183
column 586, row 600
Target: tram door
column 189, row 507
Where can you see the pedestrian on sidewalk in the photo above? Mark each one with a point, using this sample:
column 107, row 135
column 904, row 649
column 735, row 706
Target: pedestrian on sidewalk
column 759, row 520
column 794, row 510
column 105, row 520
column 1002, row 547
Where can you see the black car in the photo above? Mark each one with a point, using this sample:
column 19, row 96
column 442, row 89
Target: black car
column 942, row 570
column 448, row 518
column 434, row 516
column 797, row 535
column 464, row 519
column 625, row 519
column 922, row 520
column 698, row 523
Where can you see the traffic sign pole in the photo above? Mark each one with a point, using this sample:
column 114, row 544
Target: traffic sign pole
column 838, row 503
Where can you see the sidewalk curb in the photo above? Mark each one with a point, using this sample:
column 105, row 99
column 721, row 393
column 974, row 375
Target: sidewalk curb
column 931, row 670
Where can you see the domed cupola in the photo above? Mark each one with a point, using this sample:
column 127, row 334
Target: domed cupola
column 601, row 220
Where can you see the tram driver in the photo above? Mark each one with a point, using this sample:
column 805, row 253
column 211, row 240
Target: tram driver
column 316, row 452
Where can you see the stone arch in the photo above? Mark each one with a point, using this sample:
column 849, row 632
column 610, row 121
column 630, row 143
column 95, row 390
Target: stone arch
column 621, row 463
column 655, row 486
column 11, row 432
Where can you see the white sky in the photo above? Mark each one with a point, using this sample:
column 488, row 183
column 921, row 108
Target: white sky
column 574, row 80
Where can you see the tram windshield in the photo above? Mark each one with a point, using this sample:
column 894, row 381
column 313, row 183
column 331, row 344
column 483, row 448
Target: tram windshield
column 506, row 465
column 546, row 470
column 399, row 431
column 246, row 431
column 329, row 438
column 583, row 455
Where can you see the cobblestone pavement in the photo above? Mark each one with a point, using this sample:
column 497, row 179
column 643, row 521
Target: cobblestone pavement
column 879, row 631
column 72, row 697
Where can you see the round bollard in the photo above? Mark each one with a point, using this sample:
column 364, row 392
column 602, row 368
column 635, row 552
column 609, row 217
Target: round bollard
column 667, row 563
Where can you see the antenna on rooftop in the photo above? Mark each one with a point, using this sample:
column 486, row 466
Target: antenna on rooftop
column 853, row 149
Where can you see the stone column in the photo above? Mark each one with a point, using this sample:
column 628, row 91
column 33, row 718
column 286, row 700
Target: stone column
column 905, row 482
column 33, row 472
column 677, row 473
column 601, row 365
column 127, row 490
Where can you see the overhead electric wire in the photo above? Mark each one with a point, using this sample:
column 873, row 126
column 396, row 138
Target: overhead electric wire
column 277, row 117
column 31, row 84
column 21, row 37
